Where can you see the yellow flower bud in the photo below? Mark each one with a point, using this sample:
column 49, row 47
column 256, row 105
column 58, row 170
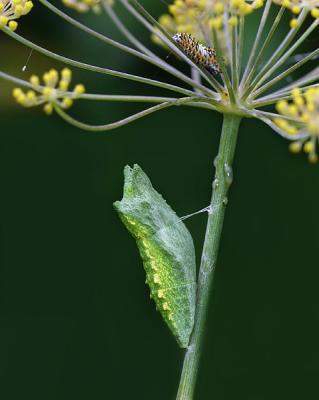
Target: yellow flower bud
column 79, row 89
column 295, row 147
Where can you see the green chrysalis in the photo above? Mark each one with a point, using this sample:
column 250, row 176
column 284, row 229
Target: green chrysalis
column 167, row 250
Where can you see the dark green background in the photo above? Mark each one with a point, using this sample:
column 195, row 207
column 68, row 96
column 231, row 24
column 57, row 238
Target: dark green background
column 76, row 321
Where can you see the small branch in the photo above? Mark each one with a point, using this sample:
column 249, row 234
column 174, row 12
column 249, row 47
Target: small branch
column 260, row 31
column 222, row 182
column 122, row 122
column 281, row 76
column 92, row 32
column 19, row 82
column 227, row 38
column 196, row 77
column 278, row 53
column 166, row 38
column 281, row 132
column 240, row 46
column 223, row 67
column 234, row 60
column 197, row 103
column 148, row 56
column 287, row 54
column 255, row 65
column 125, row 32
column 271, row 115
column 280, row 95
column 94, row 68
column 311, row 77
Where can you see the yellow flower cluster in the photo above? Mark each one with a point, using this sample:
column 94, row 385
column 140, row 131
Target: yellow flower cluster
column 83, row 5
column 235, row 9
column 10, row 10
column 196, row 16
column 54, row 91
column 295, row 6
column 303, row 113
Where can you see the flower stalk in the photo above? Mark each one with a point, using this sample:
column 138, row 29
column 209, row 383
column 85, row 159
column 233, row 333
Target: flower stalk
column 221, row 184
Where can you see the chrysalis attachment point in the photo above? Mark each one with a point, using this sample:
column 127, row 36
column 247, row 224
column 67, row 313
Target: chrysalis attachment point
column 206, row 209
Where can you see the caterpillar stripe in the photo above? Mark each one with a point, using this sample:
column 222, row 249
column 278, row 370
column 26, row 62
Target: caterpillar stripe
column 200, row 54
column 166, row 248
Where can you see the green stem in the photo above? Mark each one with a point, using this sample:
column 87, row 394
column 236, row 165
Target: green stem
column 285, row 73
column 260, row 31
column 278, row 58
column 223, row 67
column 221, row 184
column 122, row 122
column 280, row 95
column 234, row 60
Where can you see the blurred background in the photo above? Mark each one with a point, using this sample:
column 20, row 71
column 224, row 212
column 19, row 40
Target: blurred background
column 76, row 321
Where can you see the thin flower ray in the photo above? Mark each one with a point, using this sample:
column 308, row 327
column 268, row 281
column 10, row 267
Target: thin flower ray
column 223, row 67
column 283, row 75
column 307, row 79
column 109, row 10
column 281, row 132
column 96, row 96
column 196, row 103
column 257, row 55
column 241, row 45
column 124, row 121
column 20, row 82
column 259, row 34
column 284, row 55
column 150, row 59
column 167, row 39
column 288, row 53
column 259, row 79
column 274, row 98
column 97, row 69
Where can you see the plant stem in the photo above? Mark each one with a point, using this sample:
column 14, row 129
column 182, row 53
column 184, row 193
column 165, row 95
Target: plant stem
column 121, row 122
column 221, row 184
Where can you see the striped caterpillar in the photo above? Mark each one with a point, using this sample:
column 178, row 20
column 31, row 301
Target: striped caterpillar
column 200, row 54
column 166, row 248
